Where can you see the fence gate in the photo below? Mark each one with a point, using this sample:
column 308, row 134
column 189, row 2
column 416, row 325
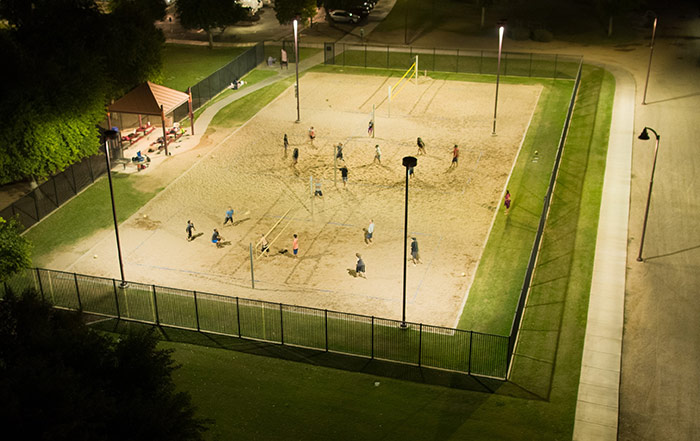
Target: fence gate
column 329, row 53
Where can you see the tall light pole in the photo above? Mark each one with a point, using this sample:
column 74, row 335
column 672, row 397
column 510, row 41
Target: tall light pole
column 111, row 134
column 498, row 76
column 408, row 162
column 651, row 54
column 296, row 64
column 644, row 136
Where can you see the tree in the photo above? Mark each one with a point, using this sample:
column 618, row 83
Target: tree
column 288, row 10
column 61, row 380
column 15, row 250
column 209, row 15
column 69, row 58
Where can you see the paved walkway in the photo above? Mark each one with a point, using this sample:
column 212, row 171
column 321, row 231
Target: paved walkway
column 597, row 406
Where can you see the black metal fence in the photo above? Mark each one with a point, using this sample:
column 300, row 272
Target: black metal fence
column 58, row 189
column 436, row 347
column 453, row 60
column 517, row 317
column 222, row 78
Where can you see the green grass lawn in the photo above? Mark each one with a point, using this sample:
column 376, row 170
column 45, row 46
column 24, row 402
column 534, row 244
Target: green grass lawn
column 185, row 66
column 69, row 223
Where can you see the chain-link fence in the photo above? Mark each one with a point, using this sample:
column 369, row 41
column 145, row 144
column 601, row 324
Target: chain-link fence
column 453, row 60
column 221, row 79
column 60, row 188
column 359, row 335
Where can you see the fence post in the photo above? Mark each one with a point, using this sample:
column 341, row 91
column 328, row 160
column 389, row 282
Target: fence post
column 343, row 54
column 116, row 298
column 365, row 56
column 387, row 56
column 55, row 190
column 155, row 306
column 35, row 193
column 77, row 291
column 457, row 67
column 481, row 61
column 529, row 69
column 469, row 366
column 556, row 59
column 505, row 64
column 196, row 309
column 281, row 325
column 420, row 342
column 433, row 59
column 372, row 353
column 325, row 314
column 238, row 318
column 41, row 288
column 92, row 175
column 75, row 184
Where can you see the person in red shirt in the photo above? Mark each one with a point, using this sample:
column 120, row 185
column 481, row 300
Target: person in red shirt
column 455, row 156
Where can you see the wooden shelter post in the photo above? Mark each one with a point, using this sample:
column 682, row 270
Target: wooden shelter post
column 189, row 102
column 165, row 135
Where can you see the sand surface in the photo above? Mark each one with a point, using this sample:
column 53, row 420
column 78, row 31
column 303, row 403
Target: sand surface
column 450, row 210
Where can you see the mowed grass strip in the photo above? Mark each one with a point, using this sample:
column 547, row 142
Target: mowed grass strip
column 184, row 65
column 494, row 294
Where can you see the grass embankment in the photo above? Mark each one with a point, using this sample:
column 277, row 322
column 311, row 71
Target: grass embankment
column 85, row 214
column 288, row 400
column 185, row 66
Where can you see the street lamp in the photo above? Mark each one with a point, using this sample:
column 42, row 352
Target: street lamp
column 644, row 136
column 409, row 162
column 651, row 53
column 111, row 134
column 498, row 75
column 296, row 64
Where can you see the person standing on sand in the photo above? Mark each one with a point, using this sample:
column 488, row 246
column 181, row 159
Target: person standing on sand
column 339, row 151
column 377, row 155
column 286, row 144
column 312, row 134
column 370, row 128
column 421, row 147
column 295, row 156
column 344, row 174
column 295, row 246
column 229, row 216
column 415, row 255
column 216, row 238
column 360, row 266
column 455, row 157
column 506, row 201
column 370, row 232
column 190, row 228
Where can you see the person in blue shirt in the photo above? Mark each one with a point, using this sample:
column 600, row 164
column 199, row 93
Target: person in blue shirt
column 229, row 216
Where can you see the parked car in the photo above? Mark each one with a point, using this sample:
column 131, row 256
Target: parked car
column 360, row 11
column 340, row 16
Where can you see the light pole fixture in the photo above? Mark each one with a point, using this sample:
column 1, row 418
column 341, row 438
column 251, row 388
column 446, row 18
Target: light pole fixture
column 644, row 136
column 651, row 54
column 111, row 134
column 498, row 76
column 296, row 64
column 409, row 162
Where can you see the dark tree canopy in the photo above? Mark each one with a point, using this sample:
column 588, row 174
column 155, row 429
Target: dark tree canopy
column 69, row 59
column 61, row 380
column 287, row 10
column 15, row 250
column 209, row 15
